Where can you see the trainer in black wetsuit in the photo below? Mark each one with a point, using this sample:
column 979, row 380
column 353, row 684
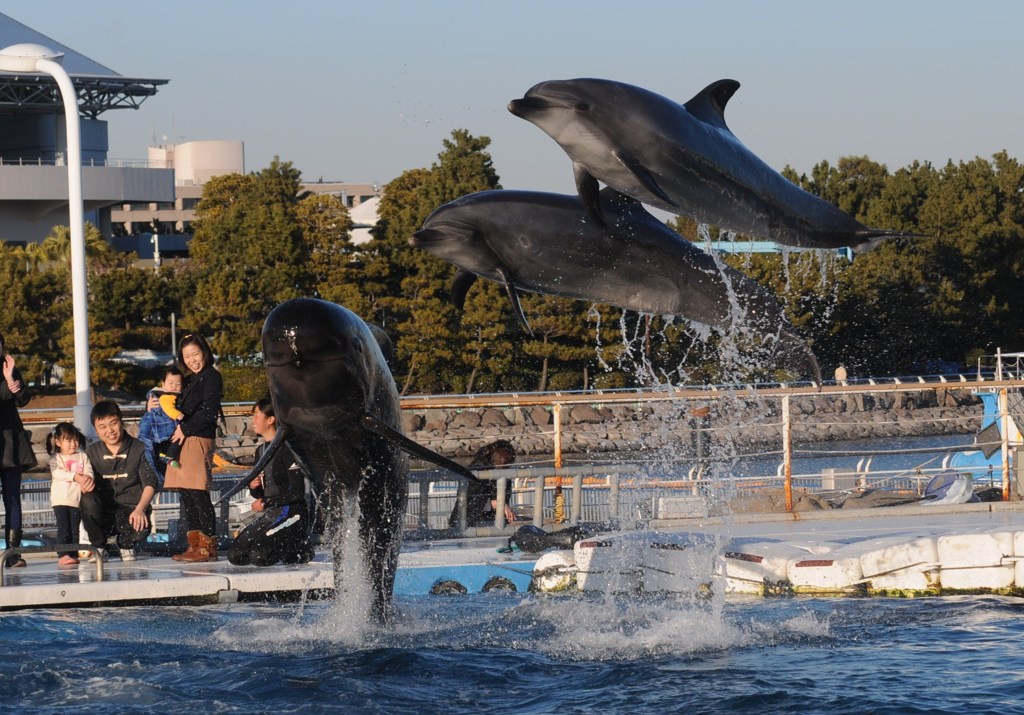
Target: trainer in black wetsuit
column 281, row 531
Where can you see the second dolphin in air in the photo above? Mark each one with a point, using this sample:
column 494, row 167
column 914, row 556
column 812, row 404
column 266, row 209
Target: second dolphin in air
column 546, row 243
column 683, row 159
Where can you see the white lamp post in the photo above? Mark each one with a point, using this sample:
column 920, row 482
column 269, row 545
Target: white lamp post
column 29, row 57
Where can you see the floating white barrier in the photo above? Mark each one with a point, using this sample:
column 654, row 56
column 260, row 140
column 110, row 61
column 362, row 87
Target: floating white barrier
column 984, row 561
column 761, row 567
column 837, row 571
column 896, row 564
column 1018, row 552
column 610, row 564
column 644, row 561
column 679, row 563
column 908, row 565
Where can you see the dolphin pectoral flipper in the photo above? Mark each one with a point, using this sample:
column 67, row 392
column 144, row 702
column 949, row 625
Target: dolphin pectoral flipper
column 261, row 464
column 641, row 174
column 588, row 189
column 513, row 296
column 372, row 424
column 461, row 284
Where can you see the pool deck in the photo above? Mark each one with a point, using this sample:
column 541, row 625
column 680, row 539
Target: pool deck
column 465, row 565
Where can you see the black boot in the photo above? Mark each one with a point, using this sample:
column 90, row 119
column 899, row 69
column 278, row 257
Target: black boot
column 13, row 537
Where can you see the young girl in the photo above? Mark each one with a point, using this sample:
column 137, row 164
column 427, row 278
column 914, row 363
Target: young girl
column 70, row 471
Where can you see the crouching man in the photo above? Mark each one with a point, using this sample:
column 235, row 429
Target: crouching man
column 124, row 484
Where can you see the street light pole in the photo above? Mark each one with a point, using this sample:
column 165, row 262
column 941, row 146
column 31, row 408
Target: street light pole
column 28, row 57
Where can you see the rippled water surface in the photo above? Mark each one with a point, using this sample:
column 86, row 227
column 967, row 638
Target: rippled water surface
column 523, row 654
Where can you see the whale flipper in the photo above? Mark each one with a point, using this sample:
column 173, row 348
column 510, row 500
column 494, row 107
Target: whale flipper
column 708, row 105
column 513, row 296
column 372, row 424
column 641, row 174
column 261, row 464
column 587, row 188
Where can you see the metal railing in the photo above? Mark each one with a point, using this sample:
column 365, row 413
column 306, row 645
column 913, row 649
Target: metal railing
column 60, row 160
column 613, row 490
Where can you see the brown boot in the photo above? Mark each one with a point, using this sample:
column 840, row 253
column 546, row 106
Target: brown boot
column 187, row 554
column 206, row 549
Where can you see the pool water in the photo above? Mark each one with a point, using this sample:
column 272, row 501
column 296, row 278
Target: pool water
column 523, row 653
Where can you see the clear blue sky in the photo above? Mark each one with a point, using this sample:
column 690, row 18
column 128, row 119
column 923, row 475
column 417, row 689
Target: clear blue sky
column 363, row 91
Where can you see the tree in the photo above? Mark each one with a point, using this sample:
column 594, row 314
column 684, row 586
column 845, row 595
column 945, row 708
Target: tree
column 326, row 229
column 486, row 341
column 33, row 306
column 248, row 255
column 562, row 340
column 421, row 314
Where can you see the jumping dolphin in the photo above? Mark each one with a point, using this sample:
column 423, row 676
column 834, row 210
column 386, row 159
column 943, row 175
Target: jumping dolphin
column 683, row 159
column 336, row 399
column 547, row 243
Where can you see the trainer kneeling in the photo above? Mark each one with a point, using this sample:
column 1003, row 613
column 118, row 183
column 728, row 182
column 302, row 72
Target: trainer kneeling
column 281, row 531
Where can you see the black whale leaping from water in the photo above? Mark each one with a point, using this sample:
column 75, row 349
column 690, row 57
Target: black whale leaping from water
column 335, row 398
column 683, row 159
column 547, row 243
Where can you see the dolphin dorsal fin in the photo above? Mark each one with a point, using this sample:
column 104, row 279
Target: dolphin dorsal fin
column 708, row 105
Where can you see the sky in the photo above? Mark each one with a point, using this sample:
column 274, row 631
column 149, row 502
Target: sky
column 362, row 91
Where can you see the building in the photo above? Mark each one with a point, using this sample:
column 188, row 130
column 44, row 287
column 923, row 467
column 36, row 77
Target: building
column 164, row 228
column 33, row 144
column 145, row 206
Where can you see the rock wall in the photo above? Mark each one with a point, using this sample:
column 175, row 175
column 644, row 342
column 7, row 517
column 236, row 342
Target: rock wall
column 742, row 420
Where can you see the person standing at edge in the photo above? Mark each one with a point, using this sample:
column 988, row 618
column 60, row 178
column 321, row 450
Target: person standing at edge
column 15, row 451
column 196, row 433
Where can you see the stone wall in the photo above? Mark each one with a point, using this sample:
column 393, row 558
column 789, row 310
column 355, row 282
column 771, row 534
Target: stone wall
column 742, row 420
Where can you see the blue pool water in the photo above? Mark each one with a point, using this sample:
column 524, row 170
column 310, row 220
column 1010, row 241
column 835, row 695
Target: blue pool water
column 521, row 653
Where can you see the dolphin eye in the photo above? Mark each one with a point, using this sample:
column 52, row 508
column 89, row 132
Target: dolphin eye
column 582, row 107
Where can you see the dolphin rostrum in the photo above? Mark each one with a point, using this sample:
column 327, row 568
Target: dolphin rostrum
column 683, row 159
column 547, row 243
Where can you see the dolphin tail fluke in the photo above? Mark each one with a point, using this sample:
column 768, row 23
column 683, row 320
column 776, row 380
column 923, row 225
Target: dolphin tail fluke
column 513, row 296
column 871, row 237
column 797, row 356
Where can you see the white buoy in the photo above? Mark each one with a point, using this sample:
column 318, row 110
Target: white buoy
column 554, row 571
column 678, row 563
column 609, row 564
column 761, row 568
column 969, row 562
column 905, row 564
column 834, row 572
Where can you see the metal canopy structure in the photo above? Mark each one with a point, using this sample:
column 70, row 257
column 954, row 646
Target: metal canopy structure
column 98, row 87
column 38, row 94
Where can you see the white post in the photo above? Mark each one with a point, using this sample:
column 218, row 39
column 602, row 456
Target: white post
column 787, row 453
column 76, row 217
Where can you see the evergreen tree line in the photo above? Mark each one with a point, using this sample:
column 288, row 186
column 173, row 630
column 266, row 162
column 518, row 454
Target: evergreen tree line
column 905, row 306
